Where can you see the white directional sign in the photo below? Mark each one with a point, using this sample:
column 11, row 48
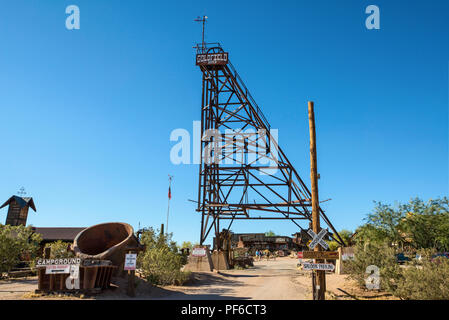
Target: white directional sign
column 199, row 252
column 318, row 239
column 130, row 261
column 60, row 268
column 318, row 266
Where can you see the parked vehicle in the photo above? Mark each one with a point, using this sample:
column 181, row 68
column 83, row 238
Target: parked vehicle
column 434, row 256
column 401, row 258
column 440, row 255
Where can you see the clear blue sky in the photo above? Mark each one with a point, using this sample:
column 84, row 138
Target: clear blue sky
column 87, row 114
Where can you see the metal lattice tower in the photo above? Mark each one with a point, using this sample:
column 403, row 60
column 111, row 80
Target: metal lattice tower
column 243, row 172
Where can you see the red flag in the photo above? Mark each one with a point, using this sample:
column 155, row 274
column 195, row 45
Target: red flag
column 169, row 193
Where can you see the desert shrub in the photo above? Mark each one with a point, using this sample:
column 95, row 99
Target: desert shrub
column 59, row 250
column 425, row 280
column 17, row 243
column 379, row 255
column 417, row 280
column 416, row 225
column 161, row 263
column 162, row 266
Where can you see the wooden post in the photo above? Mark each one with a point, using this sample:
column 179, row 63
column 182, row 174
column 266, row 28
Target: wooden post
column 131, row 285
column 47, row 252
column 319, row 286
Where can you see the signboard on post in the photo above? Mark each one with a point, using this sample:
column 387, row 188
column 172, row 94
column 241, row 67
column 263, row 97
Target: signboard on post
column 199, row 252
column 318, row 239
column 328, row 255
column 130, row 261
column 319, row 266
column 347, row 253
column 60, row 268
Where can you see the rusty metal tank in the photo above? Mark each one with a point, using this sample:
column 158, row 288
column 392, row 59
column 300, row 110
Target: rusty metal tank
column 106, row 241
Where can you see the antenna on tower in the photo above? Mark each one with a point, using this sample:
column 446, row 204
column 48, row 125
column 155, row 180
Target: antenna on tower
column 203, row 20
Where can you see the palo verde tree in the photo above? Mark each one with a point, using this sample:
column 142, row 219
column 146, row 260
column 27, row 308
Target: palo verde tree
column 17, row 243
column 345, row 235
column 427, row 224
column 416, row 224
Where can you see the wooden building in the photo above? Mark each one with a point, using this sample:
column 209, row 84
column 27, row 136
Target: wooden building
column 18, row 210
column 259, row 241
column 52, row 234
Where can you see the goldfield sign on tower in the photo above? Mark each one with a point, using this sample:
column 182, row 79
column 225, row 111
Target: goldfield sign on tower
column 212, row 59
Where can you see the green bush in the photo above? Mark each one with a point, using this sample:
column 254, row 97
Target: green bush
column 161, row 266
column 17, row 243
column 425, row 280
column 161, row 263
column 379, row 255
column 58, row 250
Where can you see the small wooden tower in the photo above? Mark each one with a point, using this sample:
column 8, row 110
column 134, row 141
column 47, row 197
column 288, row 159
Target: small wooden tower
column 18, row 210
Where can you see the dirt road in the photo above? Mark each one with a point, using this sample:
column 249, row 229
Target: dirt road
column 271, row 280
column 16, row 288
column 268, row 280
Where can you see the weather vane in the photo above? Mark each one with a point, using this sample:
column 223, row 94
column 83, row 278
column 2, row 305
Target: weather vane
column 203, row 20
column 21, row 191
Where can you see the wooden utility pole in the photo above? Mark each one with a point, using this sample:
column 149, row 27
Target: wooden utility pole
column 319, row 279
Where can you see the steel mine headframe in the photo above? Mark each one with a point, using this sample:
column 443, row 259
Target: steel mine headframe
column 243, row 172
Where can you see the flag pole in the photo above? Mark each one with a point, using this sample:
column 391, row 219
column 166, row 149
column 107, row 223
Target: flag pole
column 169, row 197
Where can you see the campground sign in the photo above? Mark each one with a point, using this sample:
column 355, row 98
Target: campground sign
column 59, row 266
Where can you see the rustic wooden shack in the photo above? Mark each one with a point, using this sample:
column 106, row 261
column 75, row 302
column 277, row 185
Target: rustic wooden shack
column 259, row 241
column 18, row 210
